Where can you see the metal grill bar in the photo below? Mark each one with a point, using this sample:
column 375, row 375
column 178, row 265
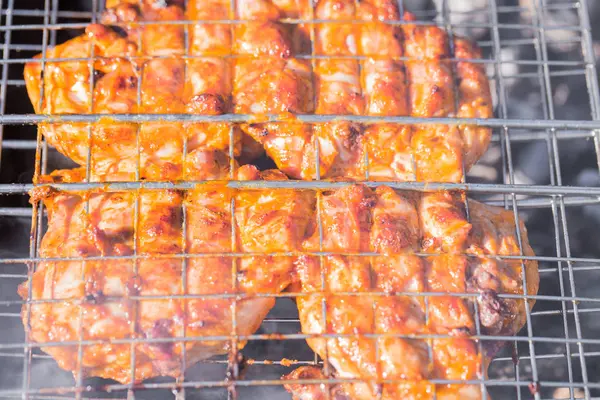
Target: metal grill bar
column 527, row 136
column 557, row 63
column 277, row 254
column 36, row 223
column 24, row 188
column 285, row 21
column 238, row 296
column 591, row 75
column 15, row 119
column 272, row 382
column 543, row 72
column 5, row 56
column 87, row 15
column 557, row 169
column 483, row 43
column 571, row 72
column 312, row 362
column 523, row 204
column 296, row 336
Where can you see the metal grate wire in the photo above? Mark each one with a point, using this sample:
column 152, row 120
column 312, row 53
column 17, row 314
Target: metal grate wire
column 566, row 306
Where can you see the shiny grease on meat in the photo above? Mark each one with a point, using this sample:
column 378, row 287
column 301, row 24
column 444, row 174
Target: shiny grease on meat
column 94, row 296
column 357, row 296
column 254, row 68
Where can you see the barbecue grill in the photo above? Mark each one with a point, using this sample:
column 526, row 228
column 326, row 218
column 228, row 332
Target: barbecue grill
column 557, row 352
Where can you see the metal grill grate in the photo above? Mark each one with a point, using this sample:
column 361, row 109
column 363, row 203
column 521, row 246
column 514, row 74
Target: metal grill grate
column 558, row 349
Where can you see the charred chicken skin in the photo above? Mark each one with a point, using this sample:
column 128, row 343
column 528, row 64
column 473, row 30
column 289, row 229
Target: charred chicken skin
column 263, row 66
column 106, row 299
column 371, row 305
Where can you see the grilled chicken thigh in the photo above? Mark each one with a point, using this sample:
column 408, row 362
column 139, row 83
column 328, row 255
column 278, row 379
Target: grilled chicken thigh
column 378, row 310
column 140, row 69
column 422, row 243
column 358, row 72
column 264, row 66
column 95, row 297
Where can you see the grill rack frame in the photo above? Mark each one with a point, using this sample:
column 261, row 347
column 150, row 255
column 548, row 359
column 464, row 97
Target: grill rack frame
column 555, row 196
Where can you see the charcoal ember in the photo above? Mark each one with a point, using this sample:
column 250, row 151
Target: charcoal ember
column 509, row 69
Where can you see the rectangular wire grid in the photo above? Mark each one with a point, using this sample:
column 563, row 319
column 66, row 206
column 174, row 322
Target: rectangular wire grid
column 558, row 334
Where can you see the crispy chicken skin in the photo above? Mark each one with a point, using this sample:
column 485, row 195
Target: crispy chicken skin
column 358, row 296
column 102, row 299
column 254, row 68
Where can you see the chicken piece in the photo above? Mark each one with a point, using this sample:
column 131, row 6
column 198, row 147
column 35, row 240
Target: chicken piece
column 444, row 222
column 494, row 233
column 94, row 297
column 138, row 69
column 437, row 148
column 157, row 39
column 173, row 85
column 315, row 391
column 475, row 100
column 372, row 306
column 382, row 85
column 267, row 79
column 337, row 91
column 65, row 89
column 209, row 77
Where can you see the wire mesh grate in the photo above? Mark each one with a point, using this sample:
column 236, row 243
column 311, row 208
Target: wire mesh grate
column 556, row 355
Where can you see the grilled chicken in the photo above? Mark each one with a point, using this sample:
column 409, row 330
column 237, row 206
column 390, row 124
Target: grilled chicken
column 140, row 69
column 353, row 297
column 267, row 78
column 382, row 85
column 261, row 67
column 95, row 297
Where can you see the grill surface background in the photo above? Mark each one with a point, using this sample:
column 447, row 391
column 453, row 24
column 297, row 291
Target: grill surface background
column 544, row 162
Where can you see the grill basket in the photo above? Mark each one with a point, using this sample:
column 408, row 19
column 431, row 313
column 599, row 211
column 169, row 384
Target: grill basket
column 543, row 163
